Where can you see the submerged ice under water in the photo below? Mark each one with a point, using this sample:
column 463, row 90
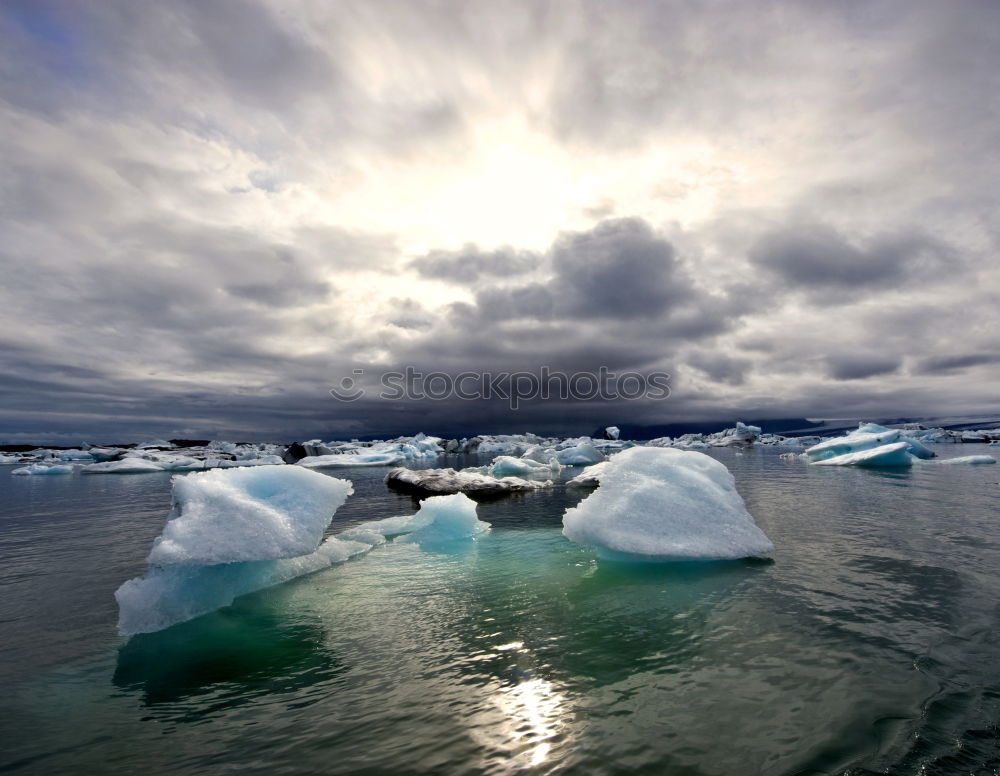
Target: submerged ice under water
column 870, row 643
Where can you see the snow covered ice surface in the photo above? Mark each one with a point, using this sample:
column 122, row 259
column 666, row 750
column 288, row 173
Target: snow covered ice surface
column 661, row 504
column 589, row 477
column 235, row 515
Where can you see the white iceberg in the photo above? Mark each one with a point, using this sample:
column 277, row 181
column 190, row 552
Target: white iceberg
column 124, row 466
column 661, row 504
column 345, row 460
column 247, row 514
column 868, row 436
column 612, row 432
column 4, row 459
column 231, row 532
column 41, row 468
column 894, row 454
column 582, row 454
column 509, row 466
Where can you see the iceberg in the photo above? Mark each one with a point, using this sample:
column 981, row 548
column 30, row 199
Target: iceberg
column 970, row 459
column 867, row 437
column 230, row 532
column 439, row 481
column 582, row 454
column 9, row 459
column 445, row 519
column 662, row 504
column 41, row 468
column 238, row 515
column 894, row 454
column 508, row 466
column 612, row 432
column 124, row 466
column 343, row 460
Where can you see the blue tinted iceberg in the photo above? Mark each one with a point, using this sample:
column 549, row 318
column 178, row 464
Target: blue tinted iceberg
column 894, row 454
column 230, row 532
column 663, row 504
column 446, row 519
column 868, row 436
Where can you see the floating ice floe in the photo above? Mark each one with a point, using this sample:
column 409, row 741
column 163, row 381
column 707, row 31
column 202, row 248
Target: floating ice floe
column 583, row 454
column 435, row 481
column 869, row 436
column 657, row 504
column 231, row 532
column 345, row 460
column 969, row 459
column 41, row 468
column 509, row 466
column 124, row 466
column 893, row 454
column 5, row 459
column 612, row 432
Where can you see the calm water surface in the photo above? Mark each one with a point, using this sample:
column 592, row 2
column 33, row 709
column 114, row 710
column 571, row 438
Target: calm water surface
column 871, row 643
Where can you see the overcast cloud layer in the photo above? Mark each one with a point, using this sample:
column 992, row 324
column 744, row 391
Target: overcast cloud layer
column 212, row 212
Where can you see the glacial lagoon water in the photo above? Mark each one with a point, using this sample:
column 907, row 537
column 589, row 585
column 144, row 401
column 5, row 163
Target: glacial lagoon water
column 869, row 644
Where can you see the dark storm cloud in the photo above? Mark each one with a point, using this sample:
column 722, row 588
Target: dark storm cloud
column 955, row 363
column 620, row 269
column 859, row 367
column 719, row 367
column 817, row 257
column 470, row 264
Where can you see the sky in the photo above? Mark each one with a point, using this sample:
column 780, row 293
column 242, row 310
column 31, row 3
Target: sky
column 213, row 213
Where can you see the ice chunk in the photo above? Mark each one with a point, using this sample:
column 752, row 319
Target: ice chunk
column 343, row 460
column 246, row 514
column 662, row 504
column 75, row 455
column 437, row 481
column 867, row 437
column 9, row 458
column 612, row 432
column 971, row 459
column 508, row 466
column 581, row 455
column 895, row 454
column 446, row 519
column 589, row 477
column 741, row 435
column 41, row 468
column 167, row 595
column 124, row 466
column 230, row 532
